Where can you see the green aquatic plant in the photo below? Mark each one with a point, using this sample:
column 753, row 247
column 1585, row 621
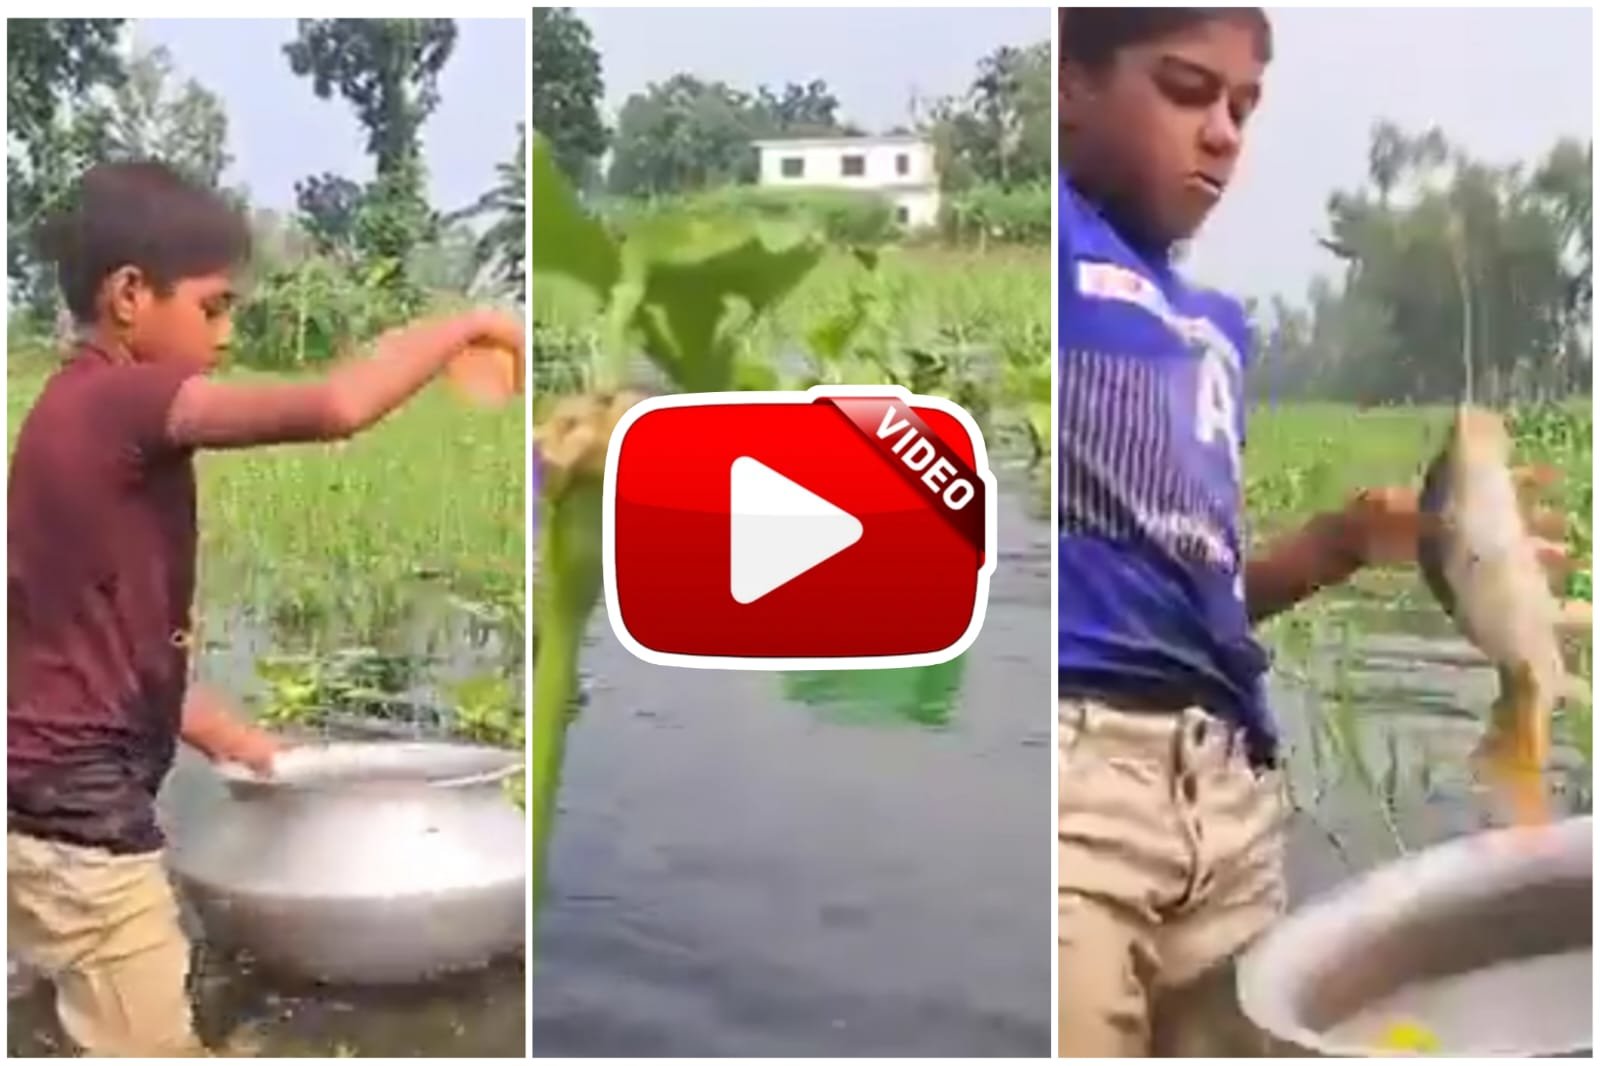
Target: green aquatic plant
column 924, row 696
column 294, row 692
column 316, row 691
column 488, row 709
column 307, row 690
column 687, row 291
column 996, row 366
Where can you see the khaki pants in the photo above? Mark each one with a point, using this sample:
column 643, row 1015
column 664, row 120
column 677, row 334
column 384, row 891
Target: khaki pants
column 104, row 928
column 1169, row 849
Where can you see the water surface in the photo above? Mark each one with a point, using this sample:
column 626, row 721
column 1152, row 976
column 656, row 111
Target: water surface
column 737, row 873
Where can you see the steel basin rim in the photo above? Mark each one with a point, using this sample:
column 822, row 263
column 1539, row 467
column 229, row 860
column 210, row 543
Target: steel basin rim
column 213, row 893
column 242, row 779
column 1432, row 874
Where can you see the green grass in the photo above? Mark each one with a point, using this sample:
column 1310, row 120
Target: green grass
column 356, row 543
column 971, row 326
column 998, row 300
column 1305, row 458
column 996, row 297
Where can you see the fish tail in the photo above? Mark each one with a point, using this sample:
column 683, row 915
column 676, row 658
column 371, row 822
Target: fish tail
column 1517, row 747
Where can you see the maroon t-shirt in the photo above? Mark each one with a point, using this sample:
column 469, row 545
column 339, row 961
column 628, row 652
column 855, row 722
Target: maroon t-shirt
column 101, row 559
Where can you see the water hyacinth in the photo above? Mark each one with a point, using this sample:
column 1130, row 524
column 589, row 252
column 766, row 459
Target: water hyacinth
column 684, row 291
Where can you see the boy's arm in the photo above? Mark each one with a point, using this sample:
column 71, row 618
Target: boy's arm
column 214, row 414
column 1376, row 528
column 211, row 728
column 1298, row 565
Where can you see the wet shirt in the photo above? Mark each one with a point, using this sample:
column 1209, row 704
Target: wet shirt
column 1152, row 428
column 100, row 581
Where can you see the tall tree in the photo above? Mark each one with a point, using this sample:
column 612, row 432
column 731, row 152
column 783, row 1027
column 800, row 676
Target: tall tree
column 1456, row 271
column 50, row 61
column 809, row 110
column 1564, row 184
column 1000, row 130
column 388, row 69
column 53, row 66
column 567, row 89
column 328, row 206
column 502, row 247
column 684, row 134
column 1386, row 159
column 182, row 124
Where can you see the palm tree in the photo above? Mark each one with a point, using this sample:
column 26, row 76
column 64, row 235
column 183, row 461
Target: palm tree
column 502, row 248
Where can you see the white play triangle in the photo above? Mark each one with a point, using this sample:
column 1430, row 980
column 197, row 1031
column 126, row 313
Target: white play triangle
column 779, row 529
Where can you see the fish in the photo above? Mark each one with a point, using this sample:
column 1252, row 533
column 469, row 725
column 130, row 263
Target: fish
column 1483, row 562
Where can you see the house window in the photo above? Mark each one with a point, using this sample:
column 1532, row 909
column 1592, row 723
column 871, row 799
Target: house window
column 793, row 166
column 902, row 164
column 853, row 166
column 902, row 215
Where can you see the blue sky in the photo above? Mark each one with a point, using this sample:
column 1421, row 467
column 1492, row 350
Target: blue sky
column 279, row 131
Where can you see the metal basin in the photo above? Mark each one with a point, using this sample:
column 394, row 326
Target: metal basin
column 1481, row 947
column 368, row 863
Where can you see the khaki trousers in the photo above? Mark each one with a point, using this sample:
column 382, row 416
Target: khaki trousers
column 104, row 928
column 1169, row 849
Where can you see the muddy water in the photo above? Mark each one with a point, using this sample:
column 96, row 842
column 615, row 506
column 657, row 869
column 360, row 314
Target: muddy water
column 734, row 873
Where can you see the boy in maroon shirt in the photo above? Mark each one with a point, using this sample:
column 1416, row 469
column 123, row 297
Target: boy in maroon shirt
column 101, row 561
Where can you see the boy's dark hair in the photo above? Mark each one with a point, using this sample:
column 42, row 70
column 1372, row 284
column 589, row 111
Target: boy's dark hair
column 144, row 215
column 1092, row 36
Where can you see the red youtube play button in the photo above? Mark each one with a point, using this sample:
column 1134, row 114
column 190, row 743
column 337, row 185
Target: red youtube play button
column 837, row 528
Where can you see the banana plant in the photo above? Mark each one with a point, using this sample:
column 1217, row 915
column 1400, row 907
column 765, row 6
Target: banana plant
column 684, row 290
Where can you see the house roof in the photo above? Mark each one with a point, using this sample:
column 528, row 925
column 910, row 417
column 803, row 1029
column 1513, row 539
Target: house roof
column 842, row 141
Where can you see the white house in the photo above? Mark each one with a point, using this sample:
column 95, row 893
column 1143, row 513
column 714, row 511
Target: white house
column 901, row 168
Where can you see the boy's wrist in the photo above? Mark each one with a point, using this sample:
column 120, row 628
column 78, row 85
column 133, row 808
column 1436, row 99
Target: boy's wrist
column 464, row 328
column 1341, row 545
column 247, row 744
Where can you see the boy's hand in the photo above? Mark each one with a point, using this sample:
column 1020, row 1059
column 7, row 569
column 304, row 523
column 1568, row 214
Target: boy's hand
column 251, row 747
column 212, row 728
column 488, row 369
column 1378, row 527
column 1381, row 527
column 487, row 326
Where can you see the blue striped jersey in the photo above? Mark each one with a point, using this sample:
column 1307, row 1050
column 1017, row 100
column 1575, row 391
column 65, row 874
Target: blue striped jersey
column 1151, row 566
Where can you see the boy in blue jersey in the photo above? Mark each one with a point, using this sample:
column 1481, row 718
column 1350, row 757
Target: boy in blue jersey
column 1171, row 819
